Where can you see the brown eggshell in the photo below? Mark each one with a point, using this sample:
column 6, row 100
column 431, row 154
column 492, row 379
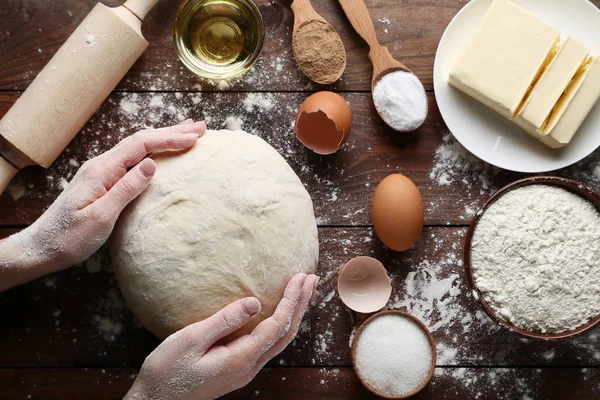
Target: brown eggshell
column 397, row 212
column 323, row 122
column 364, row 285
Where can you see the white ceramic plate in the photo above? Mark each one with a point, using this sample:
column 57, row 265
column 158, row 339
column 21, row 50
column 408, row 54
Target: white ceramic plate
column 486, row 134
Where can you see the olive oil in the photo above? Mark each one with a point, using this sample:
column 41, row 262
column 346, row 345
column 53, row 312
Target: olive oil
column 218, row 39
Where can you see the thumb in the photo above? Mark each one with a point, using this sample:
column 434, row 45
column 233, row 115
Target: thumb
column 226, row 321
column 130, row 186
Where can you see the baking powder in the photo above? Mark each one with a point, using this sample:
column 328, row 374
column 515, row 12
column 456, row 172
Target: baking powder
column 536, row 258
column 400, row 99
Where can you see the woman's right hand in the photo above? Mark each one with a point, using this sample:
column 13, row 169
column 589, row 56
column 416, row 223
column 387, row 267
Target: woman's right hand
column 189, row 365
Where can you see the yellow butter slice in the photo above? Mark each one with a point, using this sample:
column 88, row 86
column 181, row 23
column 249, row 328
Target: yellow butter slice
column 552, row 83
column 508, row 52
column 573, row 106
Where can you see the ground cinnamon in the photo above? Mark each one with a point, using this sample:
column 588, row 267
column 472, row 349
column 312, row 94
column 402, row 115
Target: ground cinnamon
column 319, row 52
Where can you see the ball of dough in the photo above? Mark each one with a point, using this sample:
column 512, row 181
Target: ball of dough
column 225, row 220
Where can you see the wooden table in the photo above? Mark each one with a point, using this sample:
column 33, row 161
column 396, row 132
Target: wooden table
column 70, row 336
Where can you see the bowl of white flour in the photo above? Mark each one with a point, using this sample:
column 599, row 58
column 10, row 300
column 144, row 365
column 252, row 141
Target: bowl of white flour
column 532, row 257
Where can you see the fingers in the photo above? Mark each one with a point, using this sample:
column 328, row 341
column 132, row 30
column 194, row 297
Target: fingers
column 226, row 321
column 267, row 335
column 307, row 295
column 133, row 149
column 97, row 176
column 130, row 186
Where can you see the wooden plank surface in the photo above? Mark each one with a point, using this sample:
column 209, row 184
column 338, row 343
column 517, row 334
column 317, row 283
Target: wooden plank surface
column 318, row 383
column 78, row 318
column 33, row 31
column 411, row 29
column 70, row 335
column 453, row 183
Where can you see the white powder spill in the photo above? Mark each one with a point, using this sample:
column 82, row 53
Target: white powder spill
column 129, row 104
column 15, row 190
column 499, row 383
column 108, row 315
column 90, row 40
column 234, row 123
column 430, row 297
column 261, row 101
column 454, row 164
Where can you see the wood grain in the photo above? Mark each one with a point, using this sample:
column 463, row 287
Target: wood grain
column 69, row 318
column 68, row 335
column 452, row 182
column 317, row 383
column 32, row 31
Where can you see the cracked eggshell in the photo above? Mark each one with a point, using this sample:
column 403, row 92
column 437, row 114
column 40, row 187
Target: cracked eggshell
column 364, row 285
column 323, row 122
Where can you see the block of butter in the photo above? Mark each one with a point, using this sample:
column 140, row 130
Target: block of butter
column 573, row 106
column 555, row 78
column 503, row 59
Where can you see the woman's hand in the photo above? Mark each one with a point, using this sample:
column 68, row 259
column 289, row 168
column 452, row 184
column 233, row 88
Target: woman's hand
column 83, row 216
column 189, row 365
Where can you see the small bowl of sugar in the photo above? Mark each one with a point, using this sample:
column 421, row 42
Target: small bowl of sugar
column 532, row 257
column 393, row 354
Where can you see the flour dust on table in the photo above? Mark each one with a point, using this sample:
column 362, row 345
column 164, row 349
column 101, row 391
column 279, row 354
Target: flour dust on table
column 226, row 220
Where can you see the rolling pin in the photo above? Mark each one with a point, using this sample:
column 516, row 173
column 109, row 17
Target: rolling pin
column 71, row 87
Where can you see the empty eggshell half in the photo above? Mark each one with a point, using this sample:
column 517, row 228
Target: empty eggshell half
column 364, row 285
column 323, row 122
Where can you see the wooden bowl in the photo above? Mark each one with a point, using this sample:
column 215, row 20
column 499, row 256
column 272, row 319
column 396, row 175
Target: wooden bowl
column 420, row 324
column 567, row 184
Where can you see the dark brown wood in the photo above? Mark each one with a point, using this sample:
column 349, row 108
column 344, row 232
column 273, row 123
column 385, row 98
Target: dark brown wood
column 59, row 320
column 341, row 184
column 33, row 31
column 316, row 383
column 55, row 328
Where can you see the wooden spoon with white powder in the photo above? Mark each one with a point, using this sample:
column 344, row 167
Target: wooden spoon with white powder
column 398, row 94
column 317, row 47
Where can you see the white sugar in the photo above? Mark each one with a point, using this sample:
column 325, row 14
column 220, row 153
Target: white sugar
column 400, row 99
column 393, row 355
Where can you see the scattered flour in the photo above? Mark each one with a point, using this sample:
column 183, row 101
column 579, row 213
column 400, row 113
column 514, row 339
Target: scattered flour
column 454, row 164
column 109, row 314
column 234, row 123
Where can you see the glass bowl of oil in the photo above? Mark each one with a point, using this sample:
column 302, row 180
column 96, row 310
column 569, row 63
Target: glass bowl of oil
column 218, row 39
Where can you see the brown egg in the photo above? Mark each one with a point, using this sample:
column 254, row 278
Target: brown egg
column 397, row 212
column 364, row 285
column 323, row 122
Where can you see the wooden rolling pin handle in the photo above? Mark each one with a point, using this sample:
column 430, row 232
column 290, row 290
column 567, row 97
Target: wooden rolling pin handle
column 7, row 173
column 140, row 7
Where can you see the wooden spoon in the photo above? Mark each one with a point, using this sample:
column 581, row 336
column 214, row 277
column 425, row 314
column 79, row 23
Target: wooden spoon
column 304, row 14
column 383, row 63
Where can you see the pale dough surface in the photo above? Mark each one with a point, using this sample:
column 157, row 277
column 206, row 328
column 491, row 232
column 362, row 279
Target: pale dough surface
column 225, row 220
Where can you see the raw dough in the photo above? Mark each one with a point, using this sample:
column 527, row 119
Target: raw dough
column 225, row 220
